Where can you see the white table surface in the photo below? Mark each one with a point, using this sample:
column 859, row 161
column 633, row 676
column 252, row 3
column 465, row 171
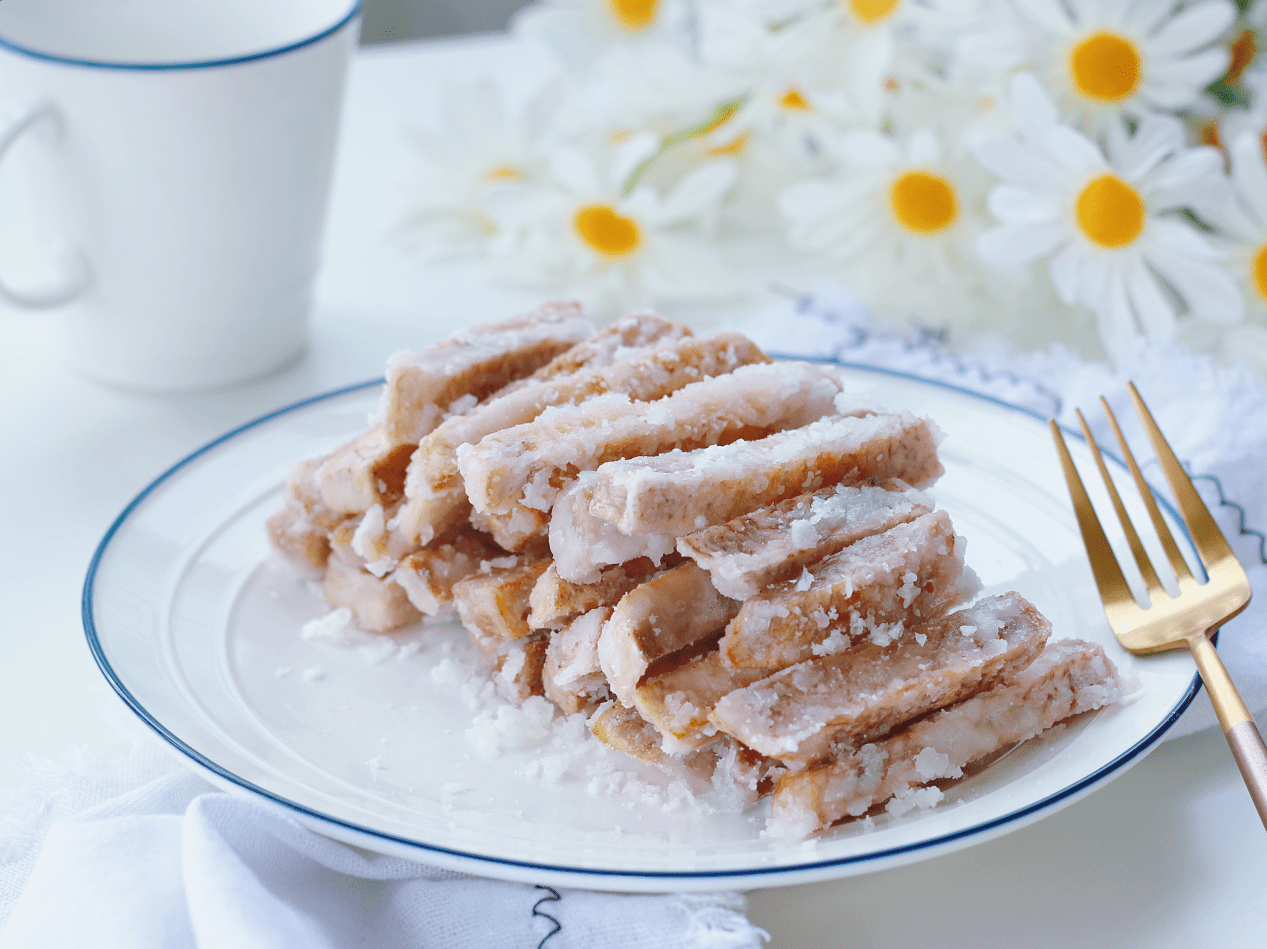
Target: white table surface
column 1170, row 854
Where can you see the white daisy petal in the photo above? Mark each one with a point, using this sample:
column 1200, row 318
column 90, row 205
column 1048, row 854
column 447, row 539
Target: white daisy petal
column 923, row 148
column 1020, row 206
column 1013, row 161
column 1095, row 273
column 1184, row 169
column 1115, row 321
column 1208, row 290
column 1073, row 150
column 1181, row 238
column 865, row 148
column 1031, row 109
column 1012, row 245
column 1148, row 17
column 699, row 189
column 1192, row 27
column 1249, row 173
column 1046, row 13
column 1155, row 313
column 1195, row 72
column 1156, row 138
column 1064, row 271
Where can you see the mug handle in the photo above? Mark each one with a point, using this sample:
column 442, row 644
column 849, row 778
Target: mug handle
column 74, row 274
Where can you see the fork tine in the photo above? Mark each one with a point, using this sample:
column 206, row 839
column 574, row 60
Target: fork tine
column 1208, row 540
column 1151, row 580
column 1177, row 563
column 1108, row 573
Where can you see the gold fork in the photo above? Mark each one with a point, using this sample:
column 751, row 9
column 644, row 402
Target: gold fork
column 1172, row 622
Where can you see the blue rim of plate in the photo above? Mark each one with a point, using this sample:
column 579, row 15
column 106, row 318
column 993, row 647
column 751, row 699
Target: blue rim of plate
column 907, row 850
column 339, row 24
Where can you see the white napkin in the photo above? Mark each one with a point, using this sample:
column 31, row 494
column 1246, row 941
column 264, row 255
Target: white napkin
column 173, row 863
column 1213, row 416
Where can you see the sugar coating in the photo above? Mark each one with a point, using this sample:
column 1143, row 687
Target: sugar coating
column 434, row 491
column 753, row 550
column 1069, row 677
column 527, row 464
column 428, row 576
column 422, row 384
column 583, row 544
column 650, row 622
column 811, row 710
column 668, row 493
column 572, row 676
column 555, row 602
column 871, row 589
column 678, row 701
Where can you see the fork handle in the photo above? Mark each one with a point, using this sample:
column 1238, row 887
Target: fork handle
column 1238, row 725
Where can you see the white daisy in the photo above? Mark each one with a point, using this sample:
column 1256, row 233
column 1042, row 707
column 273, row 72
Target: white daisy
column 581, row 30
column 901, row 218
column 1240, row 219
column 478, row 159
column 1104, row 223
column 1107, row 59
column 584, row 235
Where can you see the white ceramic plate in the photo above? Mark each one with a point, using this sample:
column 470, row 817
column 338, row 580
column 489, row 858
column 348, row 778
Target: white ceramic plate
column 379, row 743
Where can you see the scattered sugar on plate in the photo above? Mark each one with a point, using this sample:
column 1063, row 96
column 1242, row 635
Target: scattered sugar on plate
column 331, row 628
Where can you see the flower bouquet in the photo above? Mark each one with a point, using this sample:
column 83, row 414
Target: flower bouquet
column 1088, row 171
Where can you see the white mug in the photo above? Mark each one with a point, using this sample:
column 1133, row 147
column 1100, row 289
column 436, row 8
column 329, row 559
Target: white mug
column 180, row 153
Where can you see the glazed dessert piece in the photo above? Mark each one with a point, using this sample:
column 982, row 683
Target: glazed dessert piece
column 869, row 590
column 630, row 335
column 641, row 506
column 528, row 464
column 435, row 495
column 424, row 385
column 556, row 602
column 754, row 550
column 1069, row 677
column 621, row 729
column 368, row 470
column 428, row 576
column 573, row 677
column 668, row 613
column 494, row 600
column 671, row 492
column 815, row 709
column 679, row 700
column 377, row 605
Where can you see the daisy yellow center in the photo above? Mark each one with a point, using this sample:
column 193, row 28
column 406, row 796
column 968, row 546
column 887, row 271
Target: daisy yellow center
column 503, row 173
column 634, row 14
column 606, row 231
column 1105, row 67
column 1110, row 212
column 923, row 202
column 1259, row 271
column 872, row 11
column 792, row 99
